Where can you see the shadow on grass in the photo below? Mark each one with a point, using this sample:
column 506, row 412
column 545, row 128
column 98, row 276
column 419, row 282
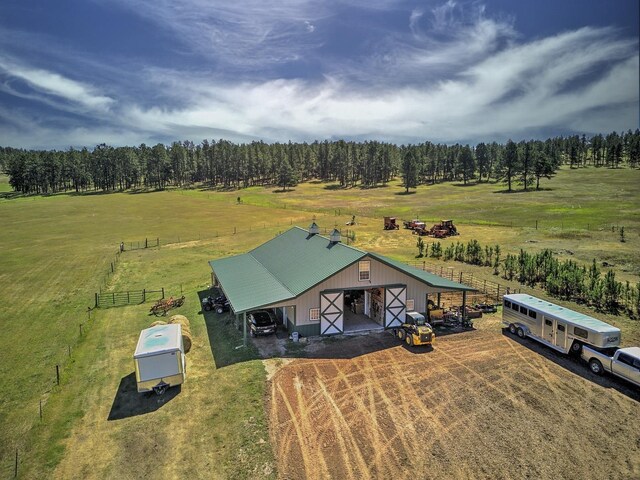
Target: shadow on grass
column 225, row 339
column 404, row 193
column 129, row 403
column 577, row 366
column 280, row 190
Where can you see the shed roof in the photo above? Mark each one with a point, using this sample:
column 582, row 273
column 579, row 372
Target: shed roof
column 295, row 261
column 158, row 339
column 430, row 279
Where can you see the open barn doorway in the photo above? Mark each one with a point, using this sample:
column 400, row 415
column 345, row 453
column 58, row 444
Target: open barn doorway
column 363, row 310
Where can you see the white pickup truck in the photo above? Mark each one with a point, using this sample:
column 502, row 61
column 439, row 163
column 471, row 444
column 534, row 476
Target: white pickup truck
column 622, row 362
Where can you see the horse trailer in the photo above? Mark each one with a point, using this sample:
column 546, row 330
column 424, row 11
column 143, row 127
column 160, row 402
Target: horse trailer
column 558, row 327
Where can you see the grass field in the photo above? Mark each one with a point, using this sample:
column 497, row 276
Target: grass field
column 56, row 251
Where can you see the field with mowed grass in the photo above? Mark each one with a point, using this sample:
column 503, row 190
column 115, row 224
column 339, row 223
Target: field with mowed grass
column 57, row 252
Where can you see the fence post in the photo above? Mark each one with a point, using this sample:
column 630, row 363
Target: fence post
column 144, row 295
column 536, row 224
column 96, row 306
column 162, row 292
column 111, row 267
column 40, row 409
column 113, row 298
column 498, row 293
column 80, row 329
column 128, row 300
column 58, row 374
column 158, row 242
column 484, row 288
column 146, row 240
column 69, row 348
column 15, row 472
column 460, row 278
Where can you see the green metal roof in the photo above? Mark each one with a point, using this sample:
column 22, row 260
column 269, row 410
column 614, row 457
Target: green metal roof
column 300, row 260
column 292, row 263
column 247, row 283
column 430, row 279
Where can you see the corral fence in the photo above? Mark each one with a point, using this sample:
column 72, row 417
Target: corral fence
column 146, row 243
column 487, row 290
column 130, row 297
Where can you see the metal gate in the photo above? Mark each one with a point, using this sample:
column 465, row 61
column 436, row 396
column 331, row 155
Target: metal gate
column 331, row 313
column 395, row 306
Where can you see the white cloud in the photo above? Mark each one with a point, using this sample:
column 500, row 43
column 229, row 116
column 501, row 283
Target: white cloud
column 51, row 83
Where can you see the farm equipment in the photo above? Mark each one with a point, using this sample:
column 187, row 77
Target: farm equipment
column 162, row 306
column 435, row 314
column 219, row 303
column 486, row 307
column 413, row 224
column 415, row 330
column 444, row 229
column 390, row 223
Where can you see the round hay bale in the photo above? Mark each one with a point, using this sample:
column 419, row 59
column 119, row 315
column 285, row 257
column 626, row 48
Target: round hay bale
column 181, row 319
column 156, row 323
column 186, row 340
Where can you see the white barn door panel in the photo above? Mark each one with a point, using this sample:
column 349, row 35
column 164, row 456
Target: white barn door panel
column 395, row 307
column 331, row 313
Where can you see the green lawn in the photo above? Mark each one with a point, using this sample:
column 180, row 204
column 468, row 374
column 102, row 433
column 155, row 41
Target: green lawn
column 56, row 251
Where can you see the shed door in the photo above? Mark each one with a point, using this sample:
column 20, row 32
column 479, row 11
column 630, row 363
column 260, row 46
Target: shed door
column 331, row 313
column 395, row 307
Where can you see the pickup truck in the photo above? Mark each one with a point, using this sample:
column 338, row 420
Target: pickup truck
column 622, row 362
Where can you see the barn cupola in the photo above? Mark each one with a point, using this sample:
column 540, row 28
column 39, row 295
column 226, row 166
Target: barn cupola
column 314, row 229
column 335, row 236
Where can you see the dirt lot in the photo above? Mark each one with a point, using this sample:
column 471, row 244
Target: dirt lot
column 482, row 404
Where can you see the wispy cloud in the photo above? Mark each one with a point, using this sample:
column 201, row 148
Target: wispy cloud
column 47, row 84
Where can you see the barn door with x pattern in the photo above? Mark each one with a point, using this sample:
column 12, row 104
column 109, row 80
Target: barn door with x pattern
column 395, row 307
column 331, row 313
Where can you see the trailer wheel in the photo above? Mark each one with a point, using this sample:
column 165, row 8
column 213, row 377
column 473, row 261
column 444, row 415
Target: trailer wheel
column 409, row 340
column 512, row 329
column 520, row 332
column 595, row 366
column 576, row 348
column 219, row 310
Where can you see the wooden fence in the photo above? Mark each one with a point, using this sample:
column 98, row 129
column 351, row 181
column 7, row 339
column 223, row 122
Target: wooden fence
column 118, row 299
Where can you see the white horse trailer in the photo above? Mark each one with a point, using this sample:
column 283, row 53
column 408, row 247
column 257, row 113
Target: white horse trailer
column 558, row 327
column 159, row 358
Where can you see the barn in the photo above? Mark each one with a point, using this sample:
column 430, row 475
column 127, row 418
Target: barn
column 320, row 286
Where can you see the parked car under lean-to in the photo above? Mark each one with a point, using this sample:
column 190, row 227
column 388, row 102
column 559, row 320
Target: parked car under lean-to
column 261, row 322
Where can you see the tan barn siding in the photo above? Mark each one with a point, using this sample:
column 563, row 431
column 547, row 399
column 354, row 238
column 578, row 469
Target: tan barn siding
column 381, row 275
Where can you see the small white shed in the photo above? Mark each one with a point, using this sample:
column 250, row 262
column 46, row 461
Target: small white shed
column 159, row 358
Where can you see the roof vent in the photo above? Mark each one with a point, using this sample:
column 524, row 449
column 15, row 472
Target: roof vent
column 335, row 236
column 314, row 229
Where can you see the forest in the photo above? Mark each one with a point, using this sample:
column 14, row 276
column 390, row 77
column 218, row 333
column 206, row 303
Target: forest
column 223, row 164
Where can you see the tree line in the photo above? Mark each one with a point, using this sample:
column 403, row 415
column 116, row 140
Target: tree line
column 563, row 279
column 223, row 164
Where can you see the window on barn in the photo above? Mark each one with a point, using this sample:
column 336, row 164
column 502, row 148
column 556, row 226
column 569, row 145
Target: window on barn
column 314, row 314
column 364, row 270
column 410, row 305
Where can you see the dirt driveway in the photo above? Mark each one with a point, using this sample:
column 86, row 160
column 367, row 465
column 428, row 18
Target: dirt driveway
column 481, row 405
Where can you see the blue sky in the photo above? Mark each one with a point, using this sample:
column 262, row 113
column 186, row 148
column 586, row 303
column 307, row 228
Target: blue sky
column 83, row 72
